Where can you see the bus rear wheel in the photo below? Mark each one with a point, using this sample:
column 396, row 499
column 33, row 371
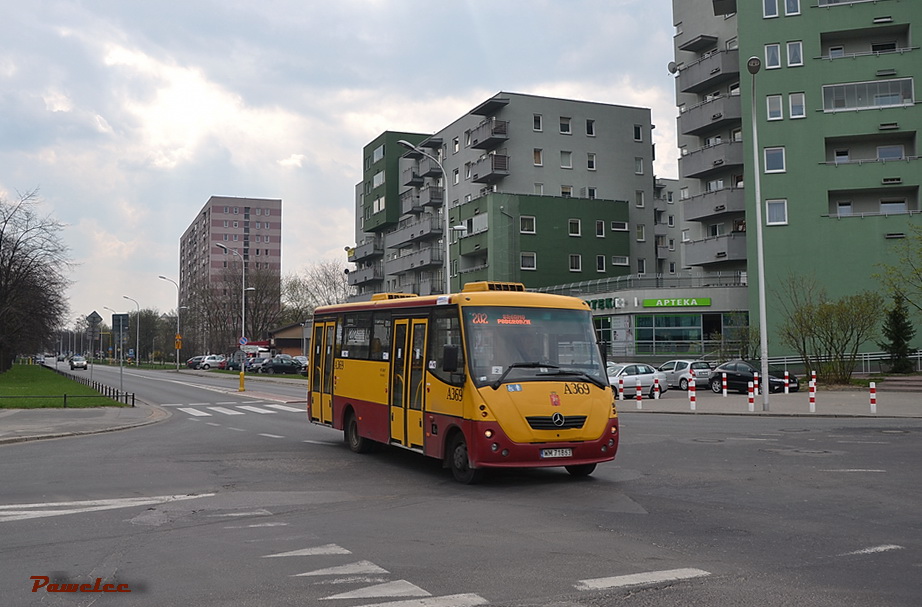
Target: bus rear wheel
column 581, row 469
column 460, row 463
column 356, row 442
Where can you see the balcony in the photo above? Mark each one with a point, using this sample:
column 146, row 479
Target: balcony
column 423, row 258
column 363, row 276
column 714, row 204
column 489, row 134
column 410, row 203
column 716, row 250
column 710, row 71
column 712, row 115
column 415, row 231
column 711, row 160
column 411, row 177
column 490, row 169
column 429, row 167
column 369, row 249
column 432, row 196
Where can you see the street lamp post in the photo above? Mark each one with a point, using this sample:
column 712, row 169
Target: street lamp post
column 137, row 339
column 754, row 65
column 243, row 306
column 161, row 277
column 121, row 354
column 447, row 230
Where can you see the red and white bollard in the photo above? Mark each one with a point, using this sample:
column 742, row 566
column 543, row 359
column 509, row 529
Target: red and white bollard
column 655, row 388
column 755, row 382
column 692, row 395
column 639, row 395
column 813, row 376
column 787, row 382
column 873, row 398
column 812, row 396
column 752, row 400
column 620, row 388
column 723, row 381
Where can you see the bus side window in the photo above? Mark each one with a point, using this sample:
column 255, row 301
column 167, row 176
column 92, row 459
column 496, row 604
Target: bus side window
column 445, row 351
column 381, row 336
column 358, row 335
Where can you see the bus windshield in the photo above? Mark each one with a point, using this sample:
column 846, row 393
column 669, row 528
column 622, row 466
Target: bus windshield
column 511, row 344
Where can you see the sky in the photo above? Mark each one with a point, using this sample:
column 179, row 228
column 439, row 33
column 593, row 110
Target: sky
column 127, row 115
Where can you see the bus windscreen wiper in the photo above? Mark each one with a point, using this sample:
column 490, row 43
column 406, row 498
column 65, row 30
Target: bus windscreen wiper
column 583, row 374
column 522, row 365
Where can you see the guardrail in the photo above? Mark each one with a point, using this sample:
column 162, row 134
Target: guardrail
column 104, row 392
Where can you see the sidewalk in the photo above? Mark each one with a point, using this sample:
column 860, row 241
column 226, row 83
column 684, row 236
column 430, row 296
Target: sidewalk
column 18, row 425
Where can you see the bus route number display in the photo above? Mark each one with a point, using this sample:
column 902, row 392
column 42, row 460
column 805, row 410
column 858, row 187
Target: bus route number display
column 482, row 318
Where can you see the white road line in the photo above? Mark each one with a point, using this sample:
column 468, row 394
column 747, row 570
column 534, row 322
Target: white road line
column 254, row 409
column 319, row 442
column 236, row 429
column 453, row 600
column 256, row 525
column 260, row 512
column 637, row 579
column 862, row 442
column 360, row 567
column 226, row 411
column 873, row 550
column 195, row 412
column 287, row 408
column 326, row 549
column 229, row 402
column 854, row 470
column 18, row 512
column 215, row 424
column 198, row 404
column 387, row 589
column 271, row 435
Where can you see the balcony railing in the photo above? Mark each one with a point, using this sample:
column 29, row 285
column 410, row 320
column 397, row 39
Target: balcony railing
column 490, row 169
column 432, row 195
column 369, row 249
column 489, row 134
column 711, row 115
column 423, row 258
column 414, row 231
column 366, row 275
column 410, row 202
column 711, row 160
column 717, row 249
column 710, row 70
column 714, row 204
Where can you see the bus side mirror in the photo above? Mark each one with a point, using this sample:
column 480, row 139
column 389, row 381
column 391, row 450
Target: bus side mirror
column 450, row 355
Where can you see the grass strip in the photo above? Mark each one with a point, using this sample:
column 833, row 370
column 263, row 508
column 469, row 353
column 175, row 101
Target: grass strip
column 38, row 387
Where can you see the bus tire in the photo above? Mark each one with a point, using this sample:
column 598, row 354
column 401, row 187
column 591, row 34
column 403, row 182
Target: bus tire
column 355, row 442
column 580, row 470
column 460, row 463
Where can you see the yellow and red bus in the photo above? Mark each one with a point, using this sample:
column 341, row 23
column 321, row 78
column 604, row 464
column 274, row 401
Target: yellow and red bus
column 492, row 377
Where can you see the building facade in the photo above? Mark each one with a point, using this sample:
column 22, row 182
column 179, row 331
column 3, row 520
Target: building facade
column 836, row 126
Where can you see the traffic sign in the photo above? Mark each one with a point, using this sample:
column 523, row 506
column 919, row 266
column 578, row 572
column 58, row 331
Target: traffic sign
column 243, row 341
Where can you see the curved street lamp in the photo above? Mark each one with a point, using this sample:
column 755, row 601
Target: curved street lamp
column 137, row 342
column 243, row 305
column 178, row 336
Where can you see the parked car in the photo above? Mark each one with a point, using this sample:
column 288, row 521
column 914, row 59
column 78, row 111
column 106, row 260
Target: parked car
column 212, row 360
column 193, row 362
column 301, row 359
column 77, row 362
column 678, row 373
column 741, row 372
column 254, row 364
column 631, row 373
column 231, row 365
column 281, row 364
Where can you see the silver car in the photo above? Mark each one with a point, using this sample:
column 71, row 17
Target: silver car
column 678, row 373
column 631, row 373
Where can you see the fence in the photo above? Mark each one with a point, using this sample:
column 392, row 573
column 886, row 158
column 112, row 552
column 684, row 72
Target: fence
column 104, row 390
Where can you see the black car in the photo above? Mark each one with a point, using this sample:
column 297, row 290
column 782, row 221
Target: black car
column 193, row 362
column 741, row 372
column 281, row 364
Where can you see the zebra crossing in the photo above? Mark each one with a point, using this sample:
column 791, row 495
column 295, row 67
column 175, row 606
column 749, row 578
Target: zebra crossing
column 233, row 408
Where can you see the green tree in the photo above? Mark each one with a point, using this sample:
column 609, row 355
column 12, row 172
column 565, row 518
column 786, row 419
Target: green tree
column 905, row 275
column 899, row 332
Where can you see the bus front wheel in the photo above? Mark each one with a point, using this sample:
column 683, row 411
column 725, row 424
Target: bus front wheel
column 356, row 442
column 581, row 469
column 460, row 463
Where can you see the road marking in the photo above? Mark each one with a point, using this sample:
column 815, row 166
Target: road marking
column 260, row 512
column 854, row 470
column 453, row 600
column 287, row 408
column 256, row 525
column 326, row 549
column 195, row 412
column 215, row 424
column 387, row 589
column 236, row 429
column 254, row 409
column 324, row 443
column 226, row 411
column 271, row 435
column 229, row 402
column 198, row 404
column 18, row 512
column 862, row 442
column 350, row 569
column 637, row 579
column 873, row 550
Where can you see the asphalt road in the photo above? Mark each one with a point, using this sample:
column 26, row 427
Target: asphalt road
column 237, row 500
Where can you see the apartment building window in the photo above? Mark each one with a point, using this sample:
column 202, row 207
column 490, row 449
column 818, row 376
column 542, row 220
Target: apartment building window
column 640, row 232
column 773, row 107
column 377, row 205
column 619, row 226
column 638, row 132
column 455, row 145
column 225, row 223
column 467, row 139
column 620, row 260
column 456, row 176
column 565, row 125
column 528, row 261
column 225, row 237
column 576, row 262
column 467, row 170
column 844, row 208
column 639, row 199
column 266, row 239
column 795, row 53
column 236, row 224
column 539, row 189
column 575, row 227
column 683, row 193
column 566, row 160
column 638, row 166
column 715, row 230
column 641, row 267
column 883, row 47
column 685, row 236
column 867, row 95
column 890, row 152
column 527, row 224
column 538, row 123
column 378, row 179
column 798, row 105
column 769, row 8
column 599, row 263
column 772, row 56
column 776, row 212
column 590, row 161
column 791, row 7
column 236, row 210
column 538, row 155
column 377, row 154
column 670, row 221
column 599, row 228
column 842, row 156
column 893, row 206
column 590, row 128
column 671, row 244
column 566, row 191
column 235, row 237
column 836, row 52
column 672, row 267
column 591, row 193
column 774, row 160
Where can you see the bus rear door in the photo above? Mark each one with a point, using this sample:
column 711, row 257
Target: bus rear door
column 322, row 372
column 408, row 381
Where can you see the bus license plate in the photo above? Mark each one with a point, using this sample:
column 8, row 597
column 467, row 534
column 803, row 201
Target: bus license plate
column 556, row 453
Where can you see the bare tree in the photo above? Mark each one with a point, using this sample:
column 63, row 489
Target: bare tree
column 32, row 283
column 321, row 284
column 904, row 277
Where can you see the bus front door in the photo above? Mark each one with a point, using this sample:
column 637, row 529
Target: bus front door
column 322, row 372
column 408, row 382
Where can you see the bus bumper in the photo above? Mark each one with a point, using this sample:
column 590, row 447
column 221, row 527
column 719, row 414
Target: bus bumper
column 498, row 451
